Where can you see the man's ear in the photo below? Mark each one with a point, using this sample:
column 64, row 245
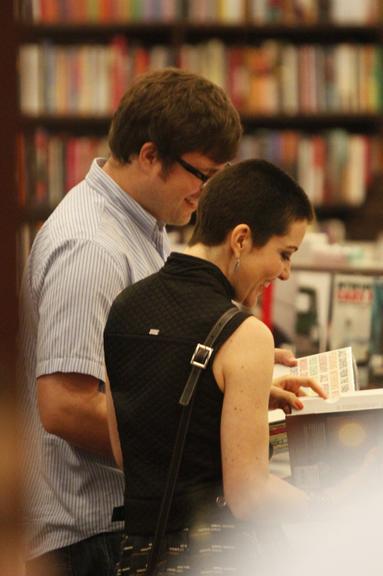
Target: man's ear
column 148, row 155
column 240, row 239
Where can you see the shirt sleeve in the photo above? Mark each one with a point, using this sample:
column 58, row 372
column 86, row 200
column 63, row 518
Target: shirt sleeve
column 81, row 281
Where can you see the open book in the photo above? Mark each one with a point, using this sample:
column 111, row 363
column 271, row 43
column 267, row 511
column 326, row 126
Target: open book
column 330, row 439
column 334, row 370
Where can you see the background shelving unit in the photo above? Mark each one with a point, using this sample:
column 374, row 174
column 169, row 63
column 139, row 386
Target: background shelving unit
column 8, row 205
column 177, row 39
column 10, row 470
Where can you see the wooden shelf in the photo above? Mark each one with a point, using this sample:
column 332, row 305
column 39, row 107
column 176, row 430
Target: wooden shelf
column 88, row 33
column 309, row 265
column 187, row 31
column 323, row 33
column 335, row 210
column 364, row 122
column 359, row 122
column 71, row 123
column 37, row 213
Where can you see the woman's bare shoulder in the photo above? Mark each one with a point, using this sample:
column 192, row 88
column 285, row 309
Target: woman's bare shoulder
column 249, row 346
column 252, row 329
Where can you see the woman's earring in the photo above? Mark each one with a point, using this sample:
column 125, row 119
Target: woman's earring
column 236, row 265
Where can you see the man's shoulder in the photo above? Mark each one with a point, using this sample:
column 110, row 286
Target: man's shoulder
column 79, row 214
column 81, row 218
column 60, row 249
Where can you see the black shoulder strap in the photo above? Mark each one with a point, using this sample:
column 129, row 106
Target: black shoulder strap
column 199, row 362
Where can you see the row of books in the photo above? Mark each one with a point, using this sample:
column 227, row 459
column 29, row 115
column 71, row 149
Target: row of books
column 272, row 78
column 83, row 79
column 333, row 167
column 51, row 164
column 312, row 11
column 226, row 11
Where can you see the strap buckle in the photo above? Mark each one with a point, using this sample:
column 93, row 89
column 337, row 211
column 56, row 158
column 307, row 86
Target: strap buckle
column 201, row 356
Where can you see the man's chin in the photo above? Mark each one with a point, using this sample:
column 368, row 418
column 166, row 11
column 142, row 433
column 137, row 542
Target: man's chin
column 181, row 221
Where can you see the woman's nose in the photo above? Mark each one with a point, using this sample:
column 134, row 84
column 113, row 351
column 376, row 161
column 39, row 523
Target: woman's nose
column 285, row 274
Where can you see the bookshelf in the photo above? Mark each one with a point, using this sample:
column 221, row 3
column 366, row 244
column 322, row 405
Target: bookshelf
column 8, row 205
column 267, row 58
column 367, row 269
column 10, row 425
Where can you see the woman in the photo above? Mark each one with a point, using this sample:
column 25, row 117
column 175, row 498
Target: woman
column 251, row 220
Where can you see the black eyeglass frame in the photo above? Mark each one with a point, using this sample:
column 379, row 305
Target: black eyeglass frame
column 193, row 170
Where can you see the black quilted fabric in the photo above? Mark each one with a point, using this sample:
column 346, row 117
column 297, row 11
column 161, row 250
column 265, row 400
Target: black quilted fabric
column 148, row 371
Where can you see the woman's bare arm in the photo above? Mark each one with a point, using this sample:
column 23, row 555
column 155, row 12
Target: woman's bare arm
column 243, row 369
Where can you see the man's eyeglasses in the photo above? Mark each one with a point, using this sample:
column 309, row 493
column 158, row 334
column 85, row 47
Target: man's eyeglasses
column 193, row 170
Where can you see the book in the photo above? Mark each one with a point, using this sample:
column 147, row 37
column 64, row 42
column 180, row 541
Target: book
column 330, row 439
column 277, row 431
column 352, row 314
column 334, row 370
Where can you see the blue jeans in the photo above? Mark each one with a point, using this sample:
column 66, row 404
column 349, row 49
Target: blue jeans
column 95, row 556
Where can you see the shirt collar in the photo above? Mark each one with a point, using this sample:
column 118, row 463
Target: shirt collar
column 98, row 179
column 198, row 270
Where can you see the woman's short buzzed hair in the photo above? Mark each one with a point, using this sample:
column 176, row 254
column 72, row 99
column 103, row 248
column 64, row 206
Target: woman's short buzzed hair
column 180, row 112
column 252, row 192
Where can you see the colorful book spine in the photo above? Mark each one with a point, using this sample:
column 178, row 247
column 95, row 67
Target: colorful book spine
column 51, row 164
column 335, row 168
column 225, row 11
column 90, row 79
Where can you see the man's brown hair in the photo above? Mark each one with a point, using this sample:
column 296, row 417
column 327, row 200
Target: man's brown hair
column 180, row 112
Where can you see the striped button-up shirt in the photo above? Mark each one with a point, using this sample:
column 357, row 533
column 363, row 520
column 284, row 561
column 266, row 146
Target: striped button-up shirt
column 97, row 241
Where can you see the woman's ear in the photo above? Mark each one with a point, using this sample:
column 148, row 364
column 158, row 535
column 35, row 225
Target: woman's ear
column 240, row 239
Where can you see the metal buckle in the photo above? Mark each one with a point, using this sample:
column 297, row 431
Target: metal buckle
column 221, row 502
column 201, row 356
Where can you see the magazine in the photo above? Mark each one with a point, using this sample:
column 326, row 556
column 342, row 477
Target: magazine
column 334, row 370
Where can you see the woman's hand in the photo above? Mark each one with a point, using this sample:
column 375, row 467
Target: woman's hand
column 286, row 390
column 284, row 356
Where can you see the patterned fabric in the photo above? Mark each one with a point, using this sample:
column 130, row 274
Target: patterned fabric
column 151, row 333
column 96, row 242
column 207, row 550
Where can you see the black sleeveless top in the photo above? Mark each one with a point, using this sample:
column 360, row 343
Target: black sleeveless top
column 152, row 331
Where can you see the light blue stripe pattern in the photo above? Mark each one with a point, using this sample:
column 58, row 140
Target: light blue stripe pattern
column 97, row 241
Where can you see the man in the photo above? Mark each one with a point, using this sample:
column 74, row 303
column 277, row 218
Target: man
column 171, row 132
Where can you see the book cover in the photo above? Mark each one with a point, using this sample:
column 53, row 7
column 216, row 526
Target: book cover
column 351, row 314
column 31, row 82
column 330, row 439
